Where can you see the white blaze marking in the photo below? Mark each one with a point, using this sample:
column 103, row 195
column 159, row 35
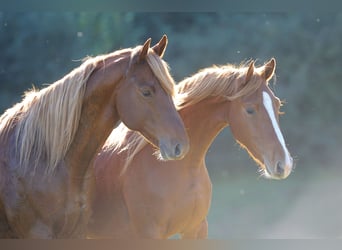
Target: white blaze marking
column 269, row 107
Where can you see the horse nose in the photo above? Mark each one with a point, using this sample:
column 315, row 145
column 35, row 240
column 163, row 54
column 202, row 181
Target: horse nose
column 174, row 151
column 283, row 169
column 181, row 149
column 178, row 150
column 280, row 168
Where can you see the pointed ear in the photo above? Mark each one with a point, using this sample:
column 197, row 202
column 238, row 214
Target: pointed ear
column 160, row 47
column 144, row 49
column 250, row 71
column 269, row 69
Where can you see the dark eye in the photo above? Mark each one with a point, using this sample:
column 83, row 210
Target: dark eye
column 146, row 92
column 250, row 110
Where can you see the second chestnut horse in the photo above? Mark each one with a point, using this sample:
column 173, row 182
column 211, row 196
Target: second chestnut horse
column 139, row 196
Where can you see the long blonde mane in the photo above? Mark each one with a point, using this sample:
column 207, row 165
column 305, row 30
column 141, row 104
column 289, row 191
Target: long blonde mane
column 46, row 121
column 227, row 81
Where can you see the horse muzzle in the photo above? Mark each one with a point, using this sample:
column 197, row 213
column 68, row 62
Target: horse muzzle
column 281, row 169
column 173, row 151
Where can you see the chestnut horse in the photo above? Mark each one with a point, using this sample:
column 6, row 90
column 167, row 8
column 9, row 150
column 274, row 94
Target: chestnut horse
column 49, row 140
column 157, row 199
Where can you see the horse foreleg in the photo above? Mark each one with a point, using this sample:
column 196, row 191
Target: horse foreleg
column 149, row 232
column 199, row 232
column 40, row 231
column 5, row 229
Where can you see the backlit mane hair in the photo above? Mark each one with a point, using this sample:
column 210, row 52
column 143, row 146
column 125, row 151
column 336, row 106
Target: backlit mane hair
column 46, row 121
column 228, row 81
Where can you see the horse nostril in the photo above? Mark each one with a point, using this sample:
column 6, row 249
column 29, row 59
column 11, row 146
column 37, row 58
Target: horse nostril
column 280, row 168
column 178, row 150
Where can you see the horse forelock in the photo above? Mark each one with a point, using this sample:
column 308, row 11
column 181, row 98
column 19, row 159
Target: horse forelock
column 161, row 70
column 46, row 121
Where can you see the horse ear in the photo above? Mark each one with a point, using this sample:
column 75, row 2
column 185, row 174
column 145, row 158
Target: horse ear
column 269, row 69
column 160, row 47
column 250, row 71
column 144, row 49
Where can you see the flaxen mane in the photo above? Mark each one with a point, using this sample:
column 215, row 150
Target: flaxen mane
column 46, row 121
column 227, row 81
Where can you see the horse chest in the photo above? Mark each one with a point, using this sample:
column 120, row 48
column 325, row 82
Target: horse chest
column 76, row 210
column 192, row 204
column 48, row 209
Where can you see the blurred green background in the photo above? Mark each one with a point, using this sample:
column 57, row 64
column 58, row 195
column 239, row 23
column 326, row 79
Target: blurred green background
column 38, row 48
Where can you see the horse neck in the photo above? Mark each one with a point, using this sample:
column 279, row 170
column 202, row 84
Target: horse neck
column 98, row 117
column 204, row 121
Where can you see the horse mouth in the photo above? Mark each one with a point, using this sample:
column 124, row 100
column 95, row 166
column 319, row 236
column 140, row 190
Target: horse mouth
column 150, row 139
column 163, row 155
column 264, row 172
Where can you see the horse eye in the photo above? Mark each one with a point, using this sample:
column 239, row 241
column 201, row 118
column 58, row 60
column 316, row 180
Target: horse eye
column 250, row 110
column 146, row 92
